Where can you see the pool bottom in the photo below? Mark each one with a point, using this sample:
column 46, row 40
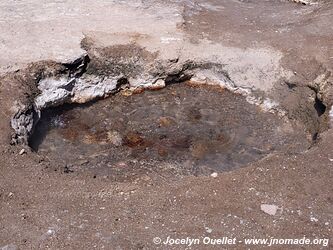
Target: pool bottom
column 176, row 131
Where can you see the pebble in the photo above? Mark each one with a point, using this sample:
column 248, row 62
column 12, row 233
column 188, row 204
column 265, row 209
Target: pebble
column 269, row 209
column 208, row 230
column 50, row 232
column 22, row 151
column 313, row 219
column 214, row 175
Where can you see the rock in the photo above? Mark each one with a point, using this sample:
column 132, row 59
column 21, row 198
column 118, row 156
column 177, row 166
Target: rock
column 22, row 123
column 82, row 162
column 50, row 232
column 214, row 175
column 22, row 151
column 90, row 88
column 53, row 84
column 208, row 230
column 305, row 2
column 158, row 84
column 269, row 209
column 313, row 219
column 67, row 170
column 52, row 98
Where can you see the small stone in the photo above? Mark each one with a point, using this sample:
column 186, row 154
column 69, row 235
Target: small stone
column 67, row 170
column 208, row 230
column 50, row 232
column 82, row 162
column 121, row 164
column 10, row 195
column 313, row 219
column 159, row 84
column 214, row 175
column 269, row 209
column 22, row 151
column 304, row 2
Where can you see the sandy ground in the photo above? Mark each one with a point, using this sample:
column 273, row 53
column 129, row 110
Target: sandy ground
column 275, row 47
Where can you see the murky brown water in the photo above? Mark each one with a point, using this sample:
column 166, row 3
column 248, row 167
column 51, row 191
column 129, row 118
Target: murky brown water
column 178, row 130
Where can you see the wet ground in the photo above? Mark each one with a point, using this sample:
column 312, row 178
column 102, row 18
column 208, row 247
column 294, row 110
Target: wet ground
column 179, row 130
